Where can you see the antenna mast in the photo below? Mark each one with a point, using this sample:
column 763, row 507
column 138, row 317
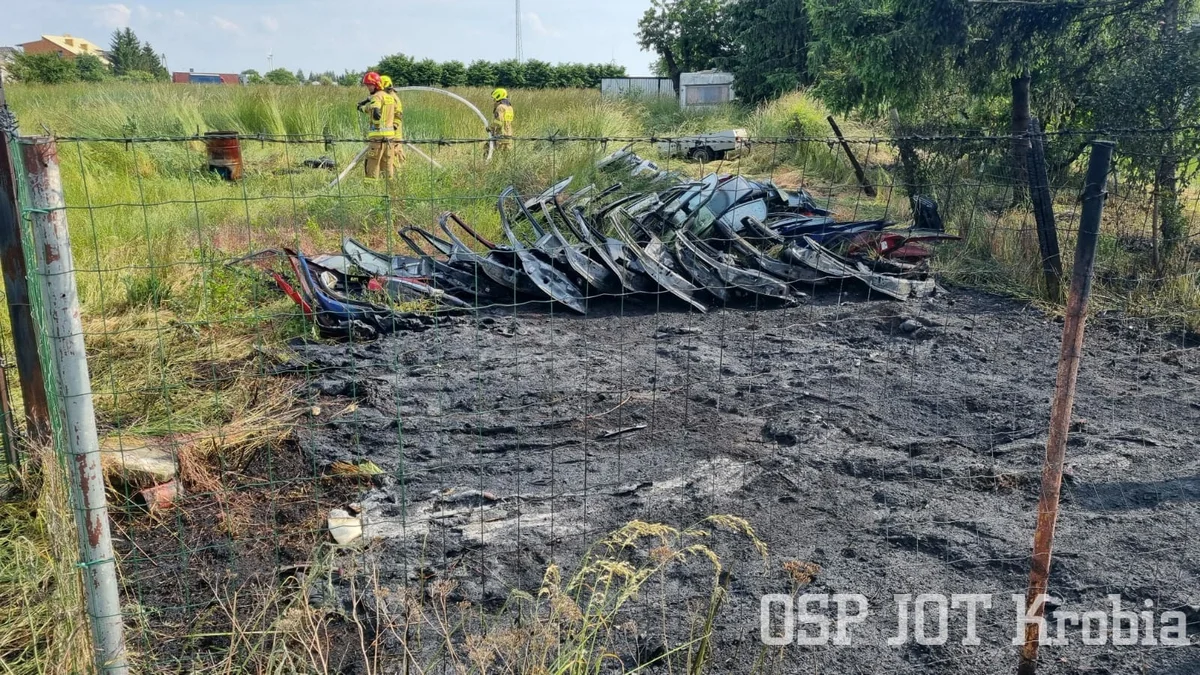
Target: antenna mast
column 520, row 47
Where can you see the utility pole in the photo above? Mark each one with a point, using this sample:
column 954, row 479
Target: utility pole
column 520, row 46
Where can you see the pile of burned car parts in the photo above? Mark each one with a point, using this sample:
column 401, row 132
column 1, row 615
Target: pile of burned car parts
column 721, row 239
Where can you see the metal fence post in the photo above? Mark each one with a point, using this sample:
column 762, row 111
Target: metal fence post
column 79, row 444
column 1064, row 398
column 16, row 288
column 1043, row 212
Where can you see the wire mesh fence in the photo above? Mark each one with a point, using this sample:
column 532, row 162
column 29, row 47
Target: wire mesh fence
column 591, row 429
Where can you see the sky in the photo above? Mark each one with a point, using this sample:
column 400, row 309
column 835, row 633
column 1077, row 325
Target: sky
column 227, row 36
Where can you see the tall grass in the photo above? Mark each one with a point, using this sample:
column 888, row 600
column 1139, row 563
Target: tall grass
column 120, row 109
column 174, row 335
column 43, row 628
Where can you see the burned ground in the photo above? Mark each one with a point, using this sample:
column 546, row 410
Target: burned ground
column 896, row 446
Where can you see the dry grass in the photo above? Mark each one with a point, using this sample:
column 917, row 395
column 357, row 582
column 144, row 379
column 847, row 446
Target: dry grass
column 181, row 347
column 43, row 629
column 572, row 625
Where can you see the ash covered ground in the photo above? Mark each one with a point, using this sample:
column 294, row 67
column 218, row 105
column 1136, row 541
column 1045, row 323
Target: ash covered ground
column 897, row 446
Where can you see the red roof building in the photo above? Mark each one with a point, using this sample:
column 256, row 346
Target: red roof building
column 192, row 77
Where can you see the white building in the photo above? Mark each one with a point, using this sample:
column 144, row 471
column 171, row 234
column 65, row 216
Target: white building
column 637, row 86
column 707, row 87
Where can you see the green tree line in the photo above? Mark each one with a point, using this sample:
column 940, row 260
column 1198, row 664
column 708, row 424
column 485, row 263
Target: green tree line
column 406, row 71
column 971, row 67
column 129, row 59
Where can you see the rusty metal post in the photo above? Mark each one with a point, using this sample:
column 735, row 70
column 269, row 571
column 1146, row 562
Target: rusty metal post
column 1043, row 212
column 1064, row 398
column 79, row 444
column 867, row 188
column 16, row 289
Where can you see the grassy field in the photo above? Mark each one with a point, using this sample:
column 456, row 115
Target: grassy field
column 177, row 339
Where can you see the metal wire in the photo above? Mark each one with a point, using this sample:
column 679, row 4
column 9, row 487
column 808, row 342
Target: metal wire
column 875, row 447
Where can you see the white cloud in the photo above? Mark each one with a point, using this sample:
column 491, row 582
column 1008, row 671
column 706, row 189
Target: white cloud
column 147, row 14
column 112, row 16
column 180, row 14
column 269, row 23
column 539, row 27
column 226, row 25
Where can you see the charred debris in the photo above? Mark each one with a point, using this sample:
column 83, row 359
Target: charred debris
column 722, row 239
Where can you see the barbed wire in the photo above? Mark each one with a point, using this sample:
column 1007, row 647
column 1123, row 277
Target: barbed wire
column 873, row 447
column 648, row 138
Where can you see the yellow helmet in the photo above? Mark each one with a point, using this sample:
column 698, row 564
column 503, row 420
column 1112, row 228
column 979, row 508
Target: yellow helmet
column 500, row 94
column 385, row 81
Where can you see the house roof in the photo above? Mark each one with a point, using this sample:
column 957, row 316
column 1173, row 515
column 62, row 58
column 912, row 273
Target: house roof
column 76, row 45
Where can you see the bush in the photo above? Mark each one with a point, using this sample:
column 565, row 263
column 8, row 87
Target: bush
column 138, row 76
column 510, row 73
column 454, row 74
column 481, row 74
column 43, row 68
column 90, row 68
column 426, row 73
column 281, row 76
column 538, row 74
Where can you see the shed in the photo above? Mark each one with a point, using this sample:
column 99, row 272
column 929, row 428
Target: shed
column 637, row 86
column 707, row 87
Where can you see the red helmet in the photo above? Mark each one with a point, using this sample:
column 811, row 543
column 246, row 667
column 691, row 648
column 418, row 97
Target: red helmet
column 372, row 79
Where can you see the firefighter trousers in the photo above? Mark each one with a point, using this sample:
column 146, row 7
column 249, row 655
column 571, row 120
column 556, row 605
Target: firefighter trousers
column 379, row 158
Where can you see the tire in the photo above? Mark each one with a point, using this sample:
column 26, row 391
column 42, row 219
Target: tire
column 703, row 154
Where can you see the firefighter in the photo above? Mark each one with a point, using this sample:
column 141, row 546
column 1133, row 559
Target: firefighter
column 398, row 139
column 502, row 120
column 380, row 108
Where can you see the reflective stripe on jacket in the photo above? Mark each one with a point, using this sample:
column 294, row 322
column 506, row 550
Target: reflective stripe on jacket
column 398, row 124
column 381, row 115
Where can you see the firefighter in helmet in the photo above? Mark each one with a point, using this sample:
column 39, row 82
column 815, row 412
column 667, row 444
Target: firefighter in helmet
column 502, row 120
column 380, row 108
column 398, row 138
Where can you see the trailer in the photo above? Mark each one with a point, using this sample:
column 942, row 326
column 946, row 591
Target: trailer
column 706, row 147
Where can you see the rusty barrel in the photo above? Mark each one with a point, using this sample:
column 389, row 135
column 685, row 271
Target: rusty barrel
column 224, row 154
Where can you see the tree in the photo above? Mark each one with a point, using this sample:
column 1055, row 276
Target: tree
column 687, row 35
column 399, row 67
column 481, row 74
column 281, row 76
column 128, row 55
column 151, row 62
column 426, row 73
column 454, row 74
column 571, row 75
column 917, row 55
column 89, row 68
column 538, row 74
column 300, row 75
column 1159, row 69
column 350, row 78
column 770, row 47
column 252, row 76
column 43, row 68
column 510, row 73
column 611, row 70
column 873, row 54
column 124, row 52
